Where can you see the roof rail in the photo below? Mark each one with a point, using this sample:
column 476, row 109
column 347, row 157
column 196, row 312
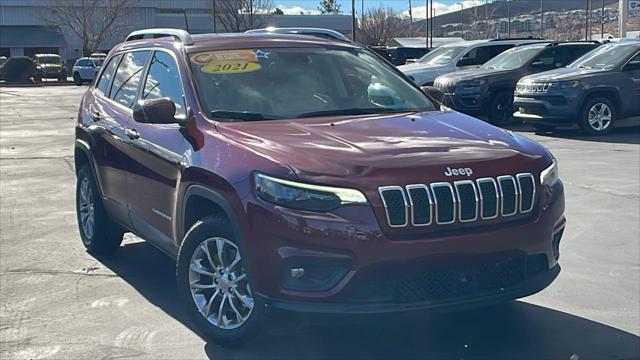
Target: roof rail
column 518, row 38
column 178, row 34
column 556, row 43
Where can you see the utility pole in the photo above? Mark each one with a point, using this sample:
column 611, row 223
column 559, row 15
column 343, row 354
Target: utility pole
column 542, row 19
column 426, row 23
column 623, row 18
column 213, row 12
column 602, row 21
column 362, row 13
column 410, row 20
column 509, row 17
column 433, row 16
column 486, row 20
column 586, row 21
column 353, row 20
column 462, row 19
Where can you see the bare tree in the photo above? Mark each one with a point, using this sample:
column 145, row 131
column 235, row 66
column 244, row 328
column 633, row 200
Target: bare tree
column 241, row 15
column 93, row 21
column 382, row 24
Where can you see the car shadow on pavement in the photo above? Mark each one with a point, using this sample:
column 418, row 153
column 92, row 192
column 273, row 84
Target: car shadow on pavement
column 619, row 135
column 512, row 331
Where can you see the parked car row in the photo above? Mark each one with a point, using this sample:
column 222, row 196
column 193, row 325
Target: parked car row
column 555, row 83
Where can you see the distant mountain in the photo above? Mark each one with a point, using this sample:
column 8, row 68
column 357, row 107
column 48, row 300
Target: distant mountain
column 498, row 9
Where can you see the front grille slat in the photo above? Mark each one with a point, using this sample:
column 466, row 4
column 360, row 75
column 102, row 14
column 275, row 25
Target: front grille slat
column 527, row 189
column 395, row 204
column 420, row 203
column 445, row 201
column 463, row 201
column 508, row 195
column 467, row 200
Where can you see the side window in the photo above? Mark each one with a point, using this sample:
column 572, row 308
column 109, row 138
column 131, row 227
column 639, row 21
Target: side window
column 475, row 56
column 125, row 84
column 578, row 52
column 494, row 50
column 107, row 74
column 546, row 59
column 163, row 80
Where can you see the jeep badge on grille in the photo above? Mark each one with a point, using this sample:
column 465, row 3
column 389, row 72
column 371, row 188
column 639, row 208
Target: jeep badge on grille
column 459, row 171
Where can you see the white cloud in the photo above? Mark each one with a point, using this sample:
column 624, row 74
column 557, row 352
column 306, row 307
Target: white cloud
column 296, row 10
column 419, row 12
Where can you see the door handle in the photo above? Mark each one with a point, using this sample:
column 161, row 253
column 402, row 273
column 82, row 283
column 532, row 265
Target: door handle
column 132, row 133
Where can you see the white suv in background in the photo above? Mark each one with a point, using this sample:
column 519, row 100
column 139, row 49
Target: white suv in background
column 457, row 56
column 86, row 69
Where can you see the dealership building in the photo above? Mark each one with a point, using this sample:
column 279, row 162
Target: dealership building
column 25, row 25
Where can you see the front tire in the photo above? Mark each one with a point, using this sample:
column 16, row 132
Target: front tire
column 501, row 109
column 213, row 283
column 99, row 234
column 598, row 116
column 76, row 79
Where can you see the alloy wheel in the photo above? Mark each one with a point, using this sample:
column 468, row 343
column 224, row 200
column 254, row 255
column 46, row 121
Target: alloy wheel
column 599, row 116
column 219, row 285
column 87, row 208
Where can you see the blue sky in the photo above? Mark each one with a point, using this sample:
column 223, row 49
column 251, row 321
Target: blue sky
column 440, row 6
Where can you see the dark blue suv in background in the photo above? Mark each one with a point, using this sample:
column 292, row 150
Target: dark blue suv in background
column 594, row 91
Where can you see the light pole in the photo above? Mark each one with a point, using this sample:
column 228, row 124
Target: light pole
column 213, row 12
column 602, row 21
column 542, row 19
column 509, row 18
column 426, row 23
column 462, row 19
column 623, row 17
column 410, row 20
column 353, row 20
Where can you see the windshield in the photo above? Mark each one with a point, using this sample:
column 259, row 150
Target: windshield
column 441, row 55
column 513, row 58
column 277, row 83
column 49, row 60
column 605, row 57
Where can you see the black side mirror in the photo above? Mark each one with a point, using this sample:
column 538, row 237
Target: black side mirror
column 434, row 93
column 155, row 111
column 632, row 66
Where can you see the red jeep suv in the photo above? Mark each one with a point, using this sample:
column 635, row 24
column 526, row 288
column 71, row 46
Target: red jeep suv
column 293, row 173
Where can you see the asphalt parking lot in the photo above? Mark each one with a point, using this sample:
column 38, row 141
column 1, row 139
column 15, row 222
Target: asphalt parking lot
column 57, row 301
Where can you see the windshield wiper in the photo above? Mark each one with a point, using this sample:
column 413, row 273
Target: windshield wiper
column 354, row 111
column 242, row 115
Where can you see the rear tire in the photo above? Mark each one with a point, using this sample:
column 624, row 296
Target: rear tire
column 77, row 80
column 598, row 116
column 99, row 234
column 215, row 289
column 501, row 109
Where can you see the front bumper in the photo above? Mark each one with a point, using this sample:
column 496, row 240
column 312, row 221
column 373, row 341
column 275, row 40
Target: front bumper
column 546, row 109
column 379, row 272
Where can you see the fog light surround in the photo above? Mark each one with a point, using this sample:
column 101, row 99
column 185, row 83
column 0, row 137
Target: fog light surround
column 313, row 275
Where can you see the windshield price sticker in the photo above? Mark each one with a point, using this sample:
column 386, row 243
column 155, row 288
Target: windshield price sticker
column 229, row 61
column 230, row 67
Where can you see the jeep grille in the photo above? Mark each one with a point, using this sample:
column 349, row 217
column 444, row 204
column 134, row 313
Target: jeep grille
column 461, row 201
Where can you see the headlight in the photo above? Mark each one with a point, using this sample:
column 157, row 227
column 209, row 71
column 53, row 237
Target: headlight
column 564, row 84
column 303, row 196
column 549, row 176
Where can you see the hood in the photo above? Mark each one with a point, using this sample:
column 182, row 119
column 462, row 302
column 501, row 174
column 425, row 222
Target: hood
column 420, row 68
column 472, row 74
column 563, row 74
column 391, row 149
